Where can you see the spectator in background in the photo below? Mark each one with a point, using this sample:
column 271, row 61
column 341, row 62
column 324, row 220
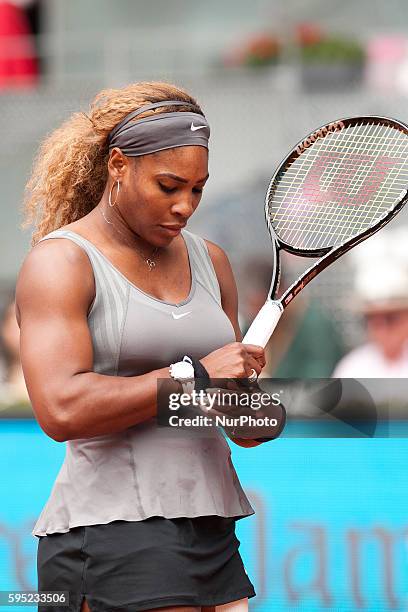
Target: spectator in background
column 381, row 287
column 306, row 343
column 18, row 62
column 12, row 386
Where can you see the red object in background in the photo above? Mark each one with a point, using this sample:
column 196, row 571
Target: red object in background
column 308, row 34
column 260, row 49
column 18, row 62
column 263, row 46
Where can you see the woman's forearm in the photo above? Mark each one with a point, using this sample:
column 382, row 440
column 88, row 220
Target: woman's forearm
column 95, row 404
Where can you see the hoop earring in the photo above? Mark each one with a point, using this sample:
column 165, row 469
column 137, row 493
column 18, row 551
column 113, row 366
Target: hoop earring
column 110, row 194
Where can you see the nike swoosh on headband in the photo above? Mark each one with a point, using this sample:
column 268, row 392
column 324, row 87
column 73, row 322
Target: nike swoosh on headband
column 194, row 128
column 183, row 314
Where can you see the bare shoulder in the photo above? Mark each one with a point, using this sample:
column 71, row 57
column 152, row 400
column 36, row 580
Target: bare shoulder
column 219, row 259
column 226, row 281
column 215, row 250
column 54, row 271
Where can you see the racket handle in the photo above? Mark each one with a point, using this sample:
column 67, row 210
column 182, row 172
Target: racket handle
column 264, row 324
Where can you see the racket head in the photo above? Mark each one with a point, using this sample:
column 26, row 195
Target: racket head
column 337, row 186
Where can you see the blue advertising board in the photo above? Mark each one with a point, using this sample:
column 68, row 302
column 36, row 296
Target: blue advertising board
column 330, row 530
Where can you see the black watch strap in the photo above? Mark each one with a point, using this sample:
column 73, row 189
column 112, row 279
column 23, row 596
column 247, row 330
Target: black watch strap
column 201, row 375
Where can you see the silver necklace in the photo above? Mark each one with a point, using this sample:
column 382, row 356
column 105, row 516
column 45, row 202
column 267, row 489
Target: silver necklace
column 149, row 261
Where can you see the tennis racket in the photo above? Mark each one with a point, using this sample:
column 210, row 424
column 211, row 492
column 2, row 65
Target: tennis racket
column 336, row 188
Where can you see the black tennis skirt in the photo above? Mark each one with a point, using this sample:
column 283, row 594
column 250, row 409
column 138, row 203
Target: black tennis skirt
column 129, row 566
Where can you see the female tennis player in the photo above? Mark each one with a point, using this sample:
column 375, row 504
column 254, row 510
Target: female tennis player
column 114, row 295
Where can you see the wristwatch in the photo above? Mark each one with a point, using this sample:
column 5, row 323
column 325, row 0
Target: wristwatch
column 183, row 371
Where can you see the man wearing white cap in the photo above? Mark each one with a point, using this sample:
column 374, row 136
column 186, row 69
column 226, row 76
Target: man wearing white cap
column 381, row 286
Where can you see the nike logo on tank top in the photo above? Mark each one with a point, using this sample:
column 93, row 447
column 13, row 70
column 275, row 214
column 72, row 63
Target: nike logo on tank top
column 147, row 470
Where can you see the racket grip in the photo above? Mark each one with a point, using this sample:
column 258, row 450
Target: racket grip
column 264, row 324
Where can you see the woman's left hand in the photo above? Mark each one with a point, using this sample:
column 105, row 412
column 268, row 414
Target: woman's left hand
column 248, row 412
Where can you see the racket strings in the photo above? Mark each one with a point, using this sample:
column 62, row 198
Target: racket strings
column 342, row 198
column 339, row 186
column 336, row 213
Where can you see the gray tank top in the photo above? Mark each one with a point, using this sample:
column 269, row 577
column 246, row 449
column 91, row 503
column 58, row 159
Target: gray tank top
column 147, row 470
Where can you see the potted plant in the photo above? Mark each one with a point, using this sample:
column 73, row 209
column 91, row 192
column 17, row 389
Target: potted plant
column 260, row 51
column 329, row 61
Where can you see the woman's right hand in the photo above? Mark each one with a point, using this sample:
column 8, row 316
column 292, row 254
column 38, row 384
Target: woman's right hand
column 235, row 360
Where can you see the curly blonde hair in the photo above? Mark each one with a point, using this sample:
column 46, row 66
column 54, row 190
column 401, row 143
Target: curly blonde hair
column 69, row 174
